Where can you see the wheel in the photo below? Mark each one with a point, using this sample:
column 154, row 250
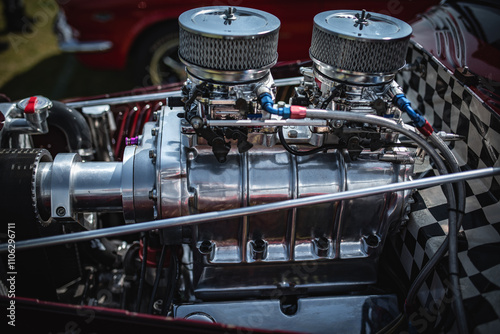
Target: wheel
column 155, row 58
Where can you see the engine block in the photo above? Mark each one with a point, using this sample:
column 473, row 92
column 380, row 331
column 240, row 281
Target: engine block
column 223, row 144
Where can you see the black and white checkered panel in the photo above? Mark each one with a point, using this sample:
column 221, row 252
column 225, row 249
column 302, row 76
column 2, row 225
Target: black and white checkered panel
column 451, row 107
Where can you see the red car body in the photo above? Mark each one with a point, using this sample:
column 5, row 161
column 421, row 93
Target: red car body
column 125, row 23
column 464, row 35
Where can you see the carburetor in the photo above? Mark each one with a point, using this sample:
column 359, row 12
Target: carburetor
column 355, row 57
column 227, row 52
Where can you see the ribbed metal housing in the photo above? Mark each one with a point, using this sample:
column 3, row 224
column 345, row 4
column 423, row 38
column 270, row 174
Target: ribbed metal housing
column 351, row 41
column 238, row 40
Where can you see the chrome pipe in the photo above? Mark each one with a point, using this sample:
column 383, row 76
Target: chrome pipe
column 158, row 96
column 288, row 81
column 124, row 99
column 95, row 186
column 268, row 122
column 245, row 211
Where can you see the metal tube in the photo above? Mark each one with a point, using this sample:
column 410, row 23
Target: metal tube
column 124, row 99
column 96, row 186
column 449, row 192
column 158, row 96
column 383, row 122
column 268, row 122
column 288, row 81
column 245, row 211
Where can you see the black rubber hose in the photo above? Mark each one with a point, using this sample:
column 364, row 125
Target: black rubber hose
column 449, row 244
column 195, row 92
column 73, row 125
column 159, row 269
column 172, row 281
column 296, row 152
column 447, row 188
column 145, row 241
column 19, row 216
column 337, row 90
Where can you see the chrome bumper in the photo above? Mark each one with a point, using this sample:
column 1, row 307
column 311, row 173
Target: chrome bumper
column 68, row 43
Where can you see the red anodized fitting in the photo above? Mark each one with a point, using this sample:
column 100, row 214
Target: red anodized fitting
column 153, row 256
column 30, row 106
column 297, row 112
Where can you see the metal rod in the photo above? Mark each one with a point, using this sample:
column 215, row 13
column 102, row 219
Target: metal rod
column 124, row 99
column 268, row 122
column 245, row 211
column 288, row 81
column 158, row 96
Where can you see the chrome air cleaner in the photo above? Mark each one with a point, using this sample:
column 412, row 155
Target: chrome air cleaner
column 358, row 47
column 228, row 44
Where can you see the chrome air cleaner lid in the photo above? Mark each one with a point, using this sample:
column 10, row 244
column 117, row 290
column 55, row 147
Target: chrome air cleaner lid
column 228, row 44
column 359, row 47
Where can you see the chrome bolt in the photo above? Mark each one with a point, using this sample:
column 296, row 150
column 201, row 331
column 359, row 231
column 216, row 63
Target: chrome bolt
column 293, row 134
column 60, row 211
column 206, row 247
column 372, row 240
column 196, row 122
column 153, row 195
column 157, row 306
column 321, row 246
column 259, row 249
column 337, row 123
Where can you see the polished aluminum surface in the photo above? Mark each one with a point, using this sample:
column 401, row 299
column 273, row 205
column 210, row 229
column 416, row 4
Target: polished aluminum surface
column 362, row 25
column 228, row 22
column 89, row 186
column 20, row 122
column 61, row 204
column 351, row 77
column 268, row 122
column 241, row 212
column 190, row 181
column 226, row 76
column 97, row 186
column 145, row 175
column 171, row 174
column 314, row 314
column 128, row 184
column 101, row 122
column 124, row 99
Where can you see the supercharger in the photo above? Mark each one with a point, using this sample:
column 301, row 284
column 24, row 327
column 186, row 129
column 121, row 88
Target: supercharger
column 226, row 143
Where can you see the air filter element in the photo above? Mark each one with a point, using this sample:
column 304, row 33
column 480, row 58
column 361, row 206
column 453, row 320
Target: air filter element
column 228, row 44
column 359, row 47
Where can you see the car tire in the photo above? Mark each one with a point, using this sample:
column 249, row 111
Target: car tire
column 155, row 59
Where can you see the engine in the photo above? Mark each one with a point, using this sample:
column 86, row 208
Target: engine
column 223, row 146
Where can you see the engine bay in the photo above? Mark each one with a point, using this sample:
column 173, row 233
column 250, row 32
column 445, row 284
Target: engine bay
column 225, row 203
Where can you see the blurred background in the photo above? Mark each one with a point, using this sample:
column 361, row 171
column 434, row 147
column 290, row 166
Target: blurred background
column 121, row 45
column 31, row 62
